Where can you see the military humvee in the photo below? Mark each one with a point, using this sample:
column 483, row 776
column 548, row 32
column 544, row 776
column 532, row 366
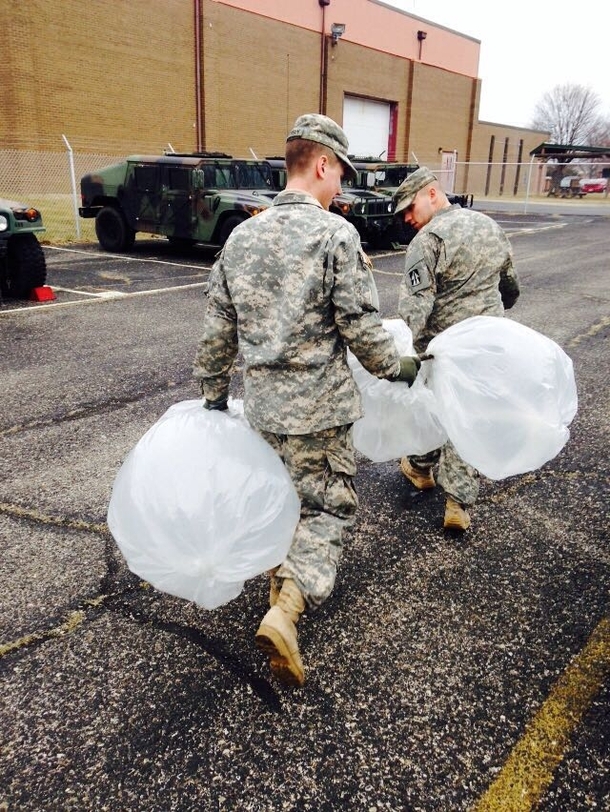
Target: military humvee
column 188, row 197
column 370, row 212
column 385, row 177
column 22, row 261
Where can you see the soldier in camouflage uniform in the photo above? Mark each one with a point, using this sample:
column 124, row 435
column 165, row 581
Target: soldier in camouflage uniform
column 292, row 289
column 458, row 265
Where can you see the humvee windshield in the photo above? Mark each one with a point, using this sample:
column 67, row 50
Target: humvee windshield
column 253, row 176
column 385, row 177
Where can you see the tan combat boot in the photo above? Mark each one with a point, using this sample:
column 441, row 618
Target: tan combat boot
column 277, row 635
column 456, row 518
column 422, row 479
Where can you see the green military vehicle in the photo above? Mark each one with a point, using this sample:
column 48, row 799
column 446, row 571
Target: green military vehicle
column 22, row 261
column 385, row 177
column 187, row 197
column 368, row 210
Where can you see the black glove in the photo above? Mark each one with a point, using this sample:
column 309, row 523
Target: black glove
column 409, row 367
column 219, row 405
column 509, row 292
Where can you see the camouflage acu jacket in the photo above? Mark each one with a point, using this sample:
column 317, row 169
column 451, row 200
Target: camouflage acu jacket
column 459, row 265
column 293, row 289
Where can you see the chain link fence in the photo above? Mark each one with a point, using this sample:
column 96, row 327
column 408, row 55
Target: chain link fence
column 50, row 181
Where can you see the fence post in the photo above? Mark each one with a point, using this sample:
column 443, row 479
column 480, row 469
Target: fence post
column 73, row 182
column 527, row 191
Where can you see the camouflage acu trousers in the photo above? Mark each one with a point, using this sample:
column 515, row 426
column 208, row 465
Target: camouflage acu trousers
column 458, row 479
column 322, row 467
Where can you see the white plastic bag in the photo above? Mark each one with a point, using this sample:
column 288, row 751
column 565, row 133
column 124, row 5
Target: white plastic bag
column 202, row 503
column 397, row 420
column 504, row 393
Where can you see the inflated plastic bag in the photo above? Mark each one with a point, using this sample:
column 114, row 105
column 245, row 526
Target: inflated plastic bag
column 397, row 420
column 504, row 393
column 202, row 503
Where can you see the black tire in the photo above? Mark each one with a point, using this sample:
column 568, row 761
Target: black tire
column 227, row 227
column 26, row 267
column 181, row 243
column 113, row 231
column 380, row 242
column 407, row 232
column 399, row 233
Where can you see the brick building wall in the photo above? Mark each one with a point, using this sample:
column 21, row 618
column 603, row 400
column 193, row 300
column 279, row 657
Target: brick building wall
column 358, row 71
column 106, row 74
column 440, row 118
column 259, row 75
column 501, row 156
column 120, row 78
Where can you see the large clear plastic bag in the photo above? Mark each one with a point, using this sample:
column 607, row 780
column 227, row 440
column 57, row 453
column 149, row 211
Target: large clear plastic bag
column 202, row 503
column 397, row 420
column 504, row 393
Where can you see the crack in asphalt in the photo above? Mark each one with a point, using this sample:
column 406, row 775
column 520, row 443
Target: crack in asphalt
column 89, row 410
column 72, row 617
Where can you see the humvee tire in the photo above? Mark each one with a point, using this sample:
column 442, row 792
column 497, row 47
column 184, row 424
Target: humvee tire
column 26, row 267
column 112, row 230
column 227, row 227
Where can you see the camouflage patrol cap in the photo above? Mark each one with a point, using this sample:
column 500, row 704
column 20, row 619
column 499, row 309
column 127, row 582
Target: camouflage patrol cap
column 410, row 186
column 323, row 130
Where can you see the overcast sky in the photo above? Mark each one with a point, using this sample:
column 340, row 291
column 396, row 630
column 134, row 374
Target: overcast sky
column 527, row 48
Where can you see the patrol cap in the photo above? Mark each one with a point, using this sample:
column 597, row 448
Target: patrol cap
column 316, row 127
column 410, row 186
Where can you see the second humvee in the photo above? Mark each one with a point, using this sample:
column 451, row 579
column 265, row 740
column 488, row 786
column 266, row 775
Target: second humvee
column 187, row 197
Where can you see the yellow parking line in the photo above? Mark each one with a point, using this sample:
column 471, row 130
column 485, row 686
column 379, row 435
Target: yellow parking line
column 591, row 332
column 529, row 770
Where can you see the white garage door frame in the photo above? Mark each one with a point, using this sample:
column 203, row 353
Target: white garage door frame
column 370, row 127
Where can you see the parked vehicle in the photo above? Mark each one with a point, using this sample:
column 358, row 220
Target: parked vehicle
column 570, row 187
column 386, row 177
column 187, row 197
column 593, row 185
column 370, row 212
column 22, row 261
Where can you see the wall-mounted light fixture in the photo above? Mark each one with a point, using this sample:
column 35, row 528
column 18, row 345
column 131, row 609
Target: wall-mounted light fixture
column 421, row 36
column 336, row 30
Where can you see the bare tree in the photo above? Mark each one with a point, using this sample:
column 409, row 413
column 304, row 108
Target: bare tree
column 600, row 133
column 570, row 113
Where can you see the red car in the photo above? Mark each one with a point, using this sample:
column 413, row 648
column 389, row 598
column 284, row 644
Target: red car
column 590, row 185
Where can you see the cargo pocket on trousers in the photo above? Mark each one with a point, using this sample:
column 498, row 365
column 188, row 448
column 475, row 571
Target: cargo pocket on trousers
column 340, row 498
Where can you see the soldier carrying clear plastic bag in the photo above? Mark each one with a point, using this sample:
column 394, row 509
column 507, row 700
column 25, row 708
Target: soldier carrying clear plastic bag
column 292, row 289
column 458, row 265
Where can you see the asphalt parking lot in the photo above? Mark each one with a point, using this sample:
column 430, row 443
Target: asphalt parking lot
column 444, row 673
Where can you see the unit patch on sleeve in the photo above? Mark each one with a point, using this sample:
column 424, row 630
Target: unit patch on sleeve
column 417, row 274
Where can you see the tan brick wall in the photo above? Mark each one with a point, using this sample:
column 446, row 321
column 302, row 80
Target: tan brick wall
column 357, row 71
column 499, row 153
column 260, row 75
column 440, row 114
column 119, row 77
column 108, row 74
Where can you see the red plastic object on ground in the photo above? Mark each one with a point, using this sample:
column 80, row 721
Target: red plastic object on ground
column 42, row 294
